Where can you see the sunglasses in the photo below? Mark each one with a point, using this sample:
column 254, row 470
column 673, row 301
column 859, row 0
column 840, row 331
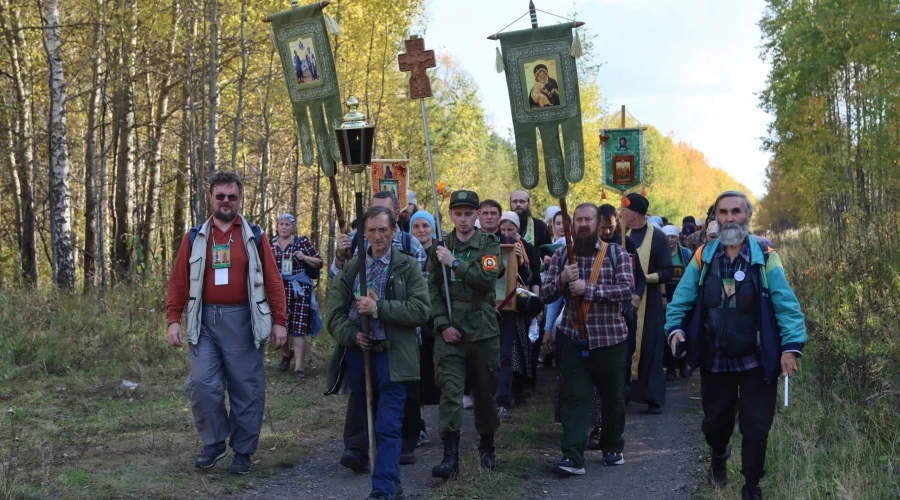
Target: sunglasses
column 222, row 196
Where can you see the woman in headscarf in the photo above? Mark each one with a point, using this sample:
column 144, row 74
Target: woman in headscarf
column 422, row 228
column 299, row 262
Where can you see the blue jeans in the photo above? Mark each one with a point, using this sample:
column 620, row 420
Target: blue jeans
column 388, row 417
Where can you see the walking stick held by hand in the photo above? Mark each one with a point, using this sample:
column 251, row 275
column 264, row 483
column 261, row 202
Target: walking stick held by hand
column 355, row 139
column 580, row 315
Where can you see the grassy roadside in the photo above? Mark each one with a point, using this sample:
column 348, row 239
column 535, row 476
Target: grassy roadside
column 840, row 437
column 838, row 442
column 69, row 429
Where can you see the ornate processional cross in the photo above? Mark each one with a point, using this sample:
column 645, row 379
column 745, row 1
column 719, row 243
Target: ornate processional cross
column 417, row 60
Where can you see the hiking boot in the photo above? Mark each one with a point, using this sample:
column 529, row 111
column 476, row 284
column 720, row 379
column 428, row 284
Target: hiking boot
column 211, row 454
column 594, row 439
column 670, row 375
column 503, row 414
column 567, row 467
column 355, row 461
column 751, row 493
column 449, row 467
column 407, row 457
column 486, row 452
column 717, row 475
column 285, row 362
column 240, row 464
column 613, row 458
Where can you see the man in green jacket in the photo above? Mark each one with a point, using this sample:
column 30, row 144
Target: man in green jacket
column 396, row 301
column 467, row 338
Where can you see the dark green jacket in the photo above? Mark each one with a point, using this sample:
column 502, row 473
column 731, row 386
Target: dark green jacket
column 405, row 307
column 472, row 292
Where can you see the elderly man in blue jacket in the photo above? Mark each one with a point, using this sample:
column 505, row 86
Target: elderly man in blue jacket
column 738, row 320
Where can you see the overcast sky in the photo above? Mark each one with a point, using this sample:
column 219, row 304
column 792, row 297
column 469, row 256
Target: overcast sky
column 690, row 67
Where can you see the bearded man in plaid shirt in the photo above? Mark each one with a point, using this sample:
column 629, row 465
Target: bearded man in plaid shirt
column 592, row 355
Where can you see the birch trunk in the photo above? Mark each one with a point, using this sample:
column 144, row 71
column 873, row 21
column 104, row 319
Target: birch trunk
column 240, row 96
column 213, row 85
column 20, row 67
column 157, row 136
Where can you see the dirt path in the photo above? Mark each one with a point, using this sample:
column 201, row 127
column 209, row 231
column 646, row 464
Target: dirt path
column 660, row 461
column 660, row 457
column 322, row 477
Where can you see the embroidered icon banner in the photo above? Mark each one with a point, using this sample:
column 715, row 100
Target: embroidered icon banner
column 543, row 93
column 623, row 157
column 301, row 39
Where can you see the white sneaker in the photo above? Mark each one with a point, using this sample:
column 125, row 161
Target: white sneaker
column 468, row 404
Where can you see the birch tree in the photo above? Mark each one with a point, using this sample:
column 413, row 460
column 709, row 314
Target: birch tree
column 60, row 215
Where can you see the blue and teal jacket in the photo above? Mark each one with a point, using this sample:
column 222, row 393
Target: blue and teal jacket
column 782, row 325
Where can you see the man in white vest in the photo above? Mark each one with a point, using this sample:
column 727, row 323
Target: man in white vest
column 226, row 282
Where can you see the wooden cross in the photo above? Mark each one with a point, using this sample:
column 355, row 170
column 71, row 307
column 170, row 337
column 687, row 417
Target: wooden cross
column 417, row 60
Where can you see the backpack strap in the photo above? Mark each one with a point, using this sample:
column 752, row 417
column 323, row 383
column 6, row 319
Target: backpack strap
column 257, row 236
column 766, row 250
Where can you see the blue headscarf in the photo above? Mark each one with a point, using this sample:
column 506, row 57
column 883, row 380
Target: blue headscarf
column 289, row 217
column 422, row 214
column 655, row 220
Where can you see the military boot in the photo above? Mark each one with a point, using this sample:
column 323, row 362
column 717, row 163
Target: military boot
column 449, row 467
column 486, row 452
column 717, row 475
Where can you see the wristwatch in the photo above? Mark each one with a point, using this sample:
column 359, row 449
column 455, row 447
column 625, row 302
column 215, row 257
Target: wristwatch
column 455, row 264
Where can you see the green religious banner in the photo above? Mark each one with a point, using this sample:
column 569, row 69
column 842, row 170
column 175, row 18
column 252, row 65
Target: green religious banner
column 543, row 93
column 622, row 150
column 300, row 35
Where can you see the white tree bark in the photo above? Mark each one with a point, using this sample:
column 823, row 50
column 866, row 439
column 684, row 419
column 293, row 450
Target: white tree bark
column 63, row 249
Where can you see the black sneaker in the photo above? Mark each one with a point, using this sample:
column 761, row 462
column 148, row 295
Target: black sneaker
column 211, row 454
column 751, row 493
column 355, row 461
column 654, row 409
column 407, row 457
column 670, row 375
column 240, row 464
column 567, row 467
column 613, row 458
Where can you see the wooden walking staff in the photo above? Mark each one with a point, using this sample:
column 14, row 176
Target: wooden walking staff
column 622, row 210
column 416, row 61
column 355, row 139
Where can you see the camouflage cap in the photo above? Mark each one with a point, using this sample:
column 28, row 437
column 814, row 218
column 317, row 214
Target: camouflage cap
column 463, row 198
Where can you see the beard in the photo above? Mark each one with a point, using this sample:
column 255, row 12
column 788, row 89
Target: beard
column 732, row 233
column 225, row 217
column 585, row 242
column 523, row 213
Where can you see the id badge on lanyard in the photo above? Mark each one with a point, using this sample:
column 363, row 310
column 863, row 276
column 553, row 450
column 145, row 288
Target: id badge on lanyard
column 221, row 257
column 287, row 265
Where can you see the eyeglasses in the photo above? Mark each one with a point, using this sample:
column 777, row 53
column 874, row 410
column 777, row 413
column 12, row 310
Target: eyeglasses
column 231, row 197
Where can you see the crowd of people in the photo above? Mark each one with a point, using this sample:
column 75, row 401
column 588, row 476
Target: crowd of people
column 628, row 302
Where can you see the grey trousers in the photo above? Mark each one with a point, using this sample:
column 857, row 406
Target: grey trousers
column 225, row 357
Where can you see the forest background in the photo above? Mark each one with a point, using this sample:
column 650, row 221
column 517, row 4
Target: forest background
column 113, row 113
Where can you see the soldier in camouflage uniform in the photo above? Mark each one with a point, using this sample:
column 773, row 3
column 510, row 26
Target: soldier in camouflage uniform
column 467, row 339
